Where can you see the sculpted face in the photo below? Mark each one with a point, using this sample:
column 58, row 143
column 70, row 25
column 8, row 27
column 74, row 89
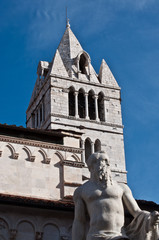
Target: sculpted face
column 99, row 166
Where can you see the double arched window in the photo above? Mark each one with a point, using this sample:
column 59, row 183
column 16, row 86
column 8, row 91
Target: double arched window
column 91, row 147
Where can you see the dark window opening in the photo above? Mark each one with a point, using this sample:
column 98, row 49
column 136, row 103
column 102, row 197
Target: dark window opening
column 97, row 146
column 71, row 103
column 101, row 107
column 81, row 104
column 82, row 64
column 91, row 106
column 87, row 149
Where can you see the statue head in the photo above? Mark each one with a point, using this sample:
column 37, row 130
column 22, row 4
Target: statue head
column 99, row 166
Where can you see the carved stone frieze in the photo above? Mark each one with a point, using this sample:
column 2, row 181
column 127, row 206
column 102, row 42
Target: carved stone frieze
column 39, row 144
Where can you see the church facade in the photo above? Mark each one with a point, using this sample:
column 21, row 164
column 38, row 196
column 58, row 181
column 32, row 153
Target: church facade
column 72, row 113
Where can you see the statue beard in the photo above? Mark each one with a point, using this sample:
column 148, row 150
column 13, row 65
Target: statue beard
column 105, row 176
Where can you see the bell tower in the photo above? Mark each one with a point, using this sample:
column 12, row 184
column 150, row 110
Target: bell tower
column 70, row 95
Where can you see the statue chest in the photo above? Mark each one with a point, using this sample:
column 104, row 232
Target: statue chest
column 110, row 192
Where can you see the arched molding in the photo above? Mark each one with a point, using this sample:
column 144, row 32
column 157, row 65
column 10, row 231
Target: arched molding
column 81, row 90
column 13, row 152
column 44, row 154
column 52, row 221
column 85, row 54
column 71, row 88
column 91, row 92
column 31, row 158
column 60, row 156
column 4, row 220
column 75, row 158
column 26, row 219
column 101, row 93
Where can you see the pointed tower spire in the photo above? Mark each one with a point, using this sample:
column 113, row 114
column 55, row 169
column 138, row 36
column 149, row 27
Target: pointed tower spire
column 105, row 75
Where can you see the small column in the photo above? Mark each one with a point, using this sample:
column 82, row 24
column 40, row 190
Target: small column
column 78, row 69
column 96, row 107
column 83, row 153
column 92, row 147
column 104, row 106
column 86, row 105
column 76, row 104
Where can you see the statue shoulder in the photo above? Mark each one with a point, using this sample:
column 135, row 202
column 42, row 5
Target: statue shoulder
column 79, row 192
column 125, row 187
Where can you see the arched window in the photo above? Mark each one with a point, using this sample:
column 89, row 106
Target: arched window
column 82, row 64
column 91, row 105
column 87, row 148
column 101, row 106
column 97, row 145
column 71, row 102
column 81, row 103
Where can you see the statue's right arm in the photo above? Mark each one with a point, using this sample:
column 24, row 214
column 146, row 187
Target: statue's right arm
column 78, row 229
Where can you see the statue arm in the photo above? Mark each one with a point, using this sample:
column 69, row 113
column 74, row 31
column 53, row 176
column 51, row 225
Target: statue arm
column 78, row 229
column 129, row 201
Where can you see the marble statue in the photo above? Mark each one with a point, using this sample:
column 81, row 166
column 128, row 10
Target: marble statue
column 103, row 200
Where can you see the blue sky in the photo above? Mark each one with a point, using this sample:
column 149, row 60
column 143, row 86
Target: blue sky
column 123, row 32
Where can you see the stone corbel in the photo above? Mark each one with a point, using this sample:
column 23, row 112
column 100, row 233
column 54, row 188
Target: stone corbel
column 13, row 233
column 47, row 160
column 15, row 155
column 39, row 236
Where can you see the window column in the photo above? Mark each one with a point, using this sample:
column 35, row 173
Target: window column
column 83, row 153
column 96, row 107
column 86, row 105
column 76, row 105
column 92, row 147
